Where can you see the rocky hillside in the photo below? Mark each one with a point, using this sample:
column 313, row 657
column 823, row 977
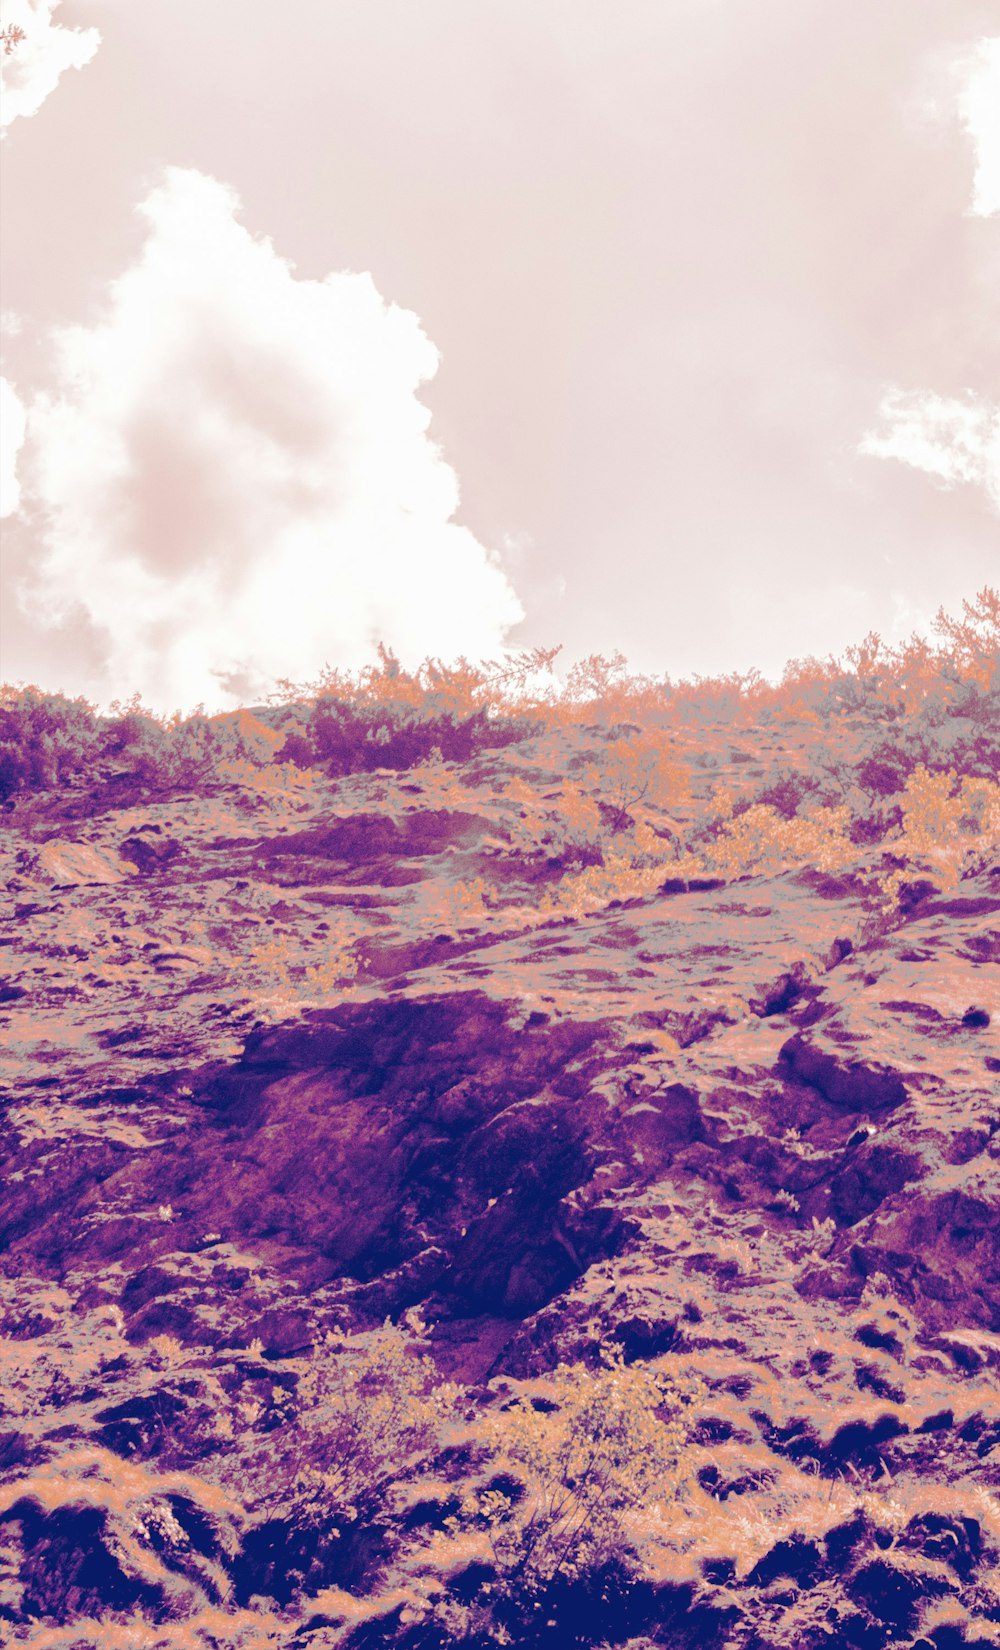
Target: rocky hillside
column 467, row 1202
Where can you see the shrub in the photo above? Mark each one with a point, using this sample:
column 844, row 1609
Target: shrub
column 760, row 840
column 567, row 829
column 620, row 876
column 632, row 768
column 884, row 771
column 787, row 791
column 298, row 749
column 947, row 832
column 639, row 767
column 585, row 1467
column 46, row 739
column 367, row 1409
column 356, row 738
column 973, row 642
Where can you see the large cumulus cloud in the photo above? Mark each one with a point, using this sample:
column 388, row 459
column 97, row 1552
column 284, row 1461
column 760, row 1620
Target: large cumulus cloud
column 233, row 477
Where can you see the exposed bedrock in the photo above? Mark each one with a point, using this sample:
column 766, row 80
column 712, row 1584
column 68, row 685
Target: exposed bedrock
column 443, row 1148
column 850, row 1085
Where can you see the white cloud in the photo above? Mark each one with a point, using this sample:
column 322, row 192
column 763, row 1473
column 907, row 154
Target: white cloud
column 31, row 71
column 236, row 475
column 952, row 440
column 12, row 425
column 979, row 109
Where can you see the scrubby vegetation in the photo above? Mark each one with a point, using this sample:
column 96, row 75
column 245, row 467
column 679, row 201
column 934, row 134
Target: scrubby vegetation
column 908, row 757
column 940, row 703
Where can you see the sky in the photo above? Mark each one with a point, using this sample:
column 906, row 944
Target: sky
column 667, row 327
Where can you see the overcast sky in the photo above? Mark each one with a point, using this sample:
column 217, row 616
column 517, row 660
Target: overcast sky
column 667, row 326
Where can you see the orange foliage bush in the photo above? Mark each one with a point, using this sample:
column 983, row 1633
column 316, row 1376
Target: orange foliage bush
column 761, row 841
column 636, row 768
column 949, row 830
column 580, row 1482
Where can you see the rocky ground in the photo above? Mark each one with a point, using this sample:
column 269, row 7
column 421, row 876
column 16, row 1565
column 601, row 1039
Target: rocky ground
column 272, row 1080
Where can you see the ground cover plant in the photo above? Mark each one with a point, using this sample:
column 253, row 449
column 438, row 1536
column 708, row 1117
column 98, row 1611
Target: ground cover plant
column 494, row 1159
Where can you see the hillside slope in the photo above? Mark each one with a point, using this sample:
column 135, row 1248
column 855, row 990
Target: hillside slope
column 465, row 1203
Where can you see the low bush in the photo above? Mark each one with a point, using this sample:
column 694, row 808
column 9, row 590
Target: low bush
column 353, row 738
column 787, row 792
column 46, row 739
column 367, row 1412
column 761, row 840
column 584, row 1473
column 950, row 830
